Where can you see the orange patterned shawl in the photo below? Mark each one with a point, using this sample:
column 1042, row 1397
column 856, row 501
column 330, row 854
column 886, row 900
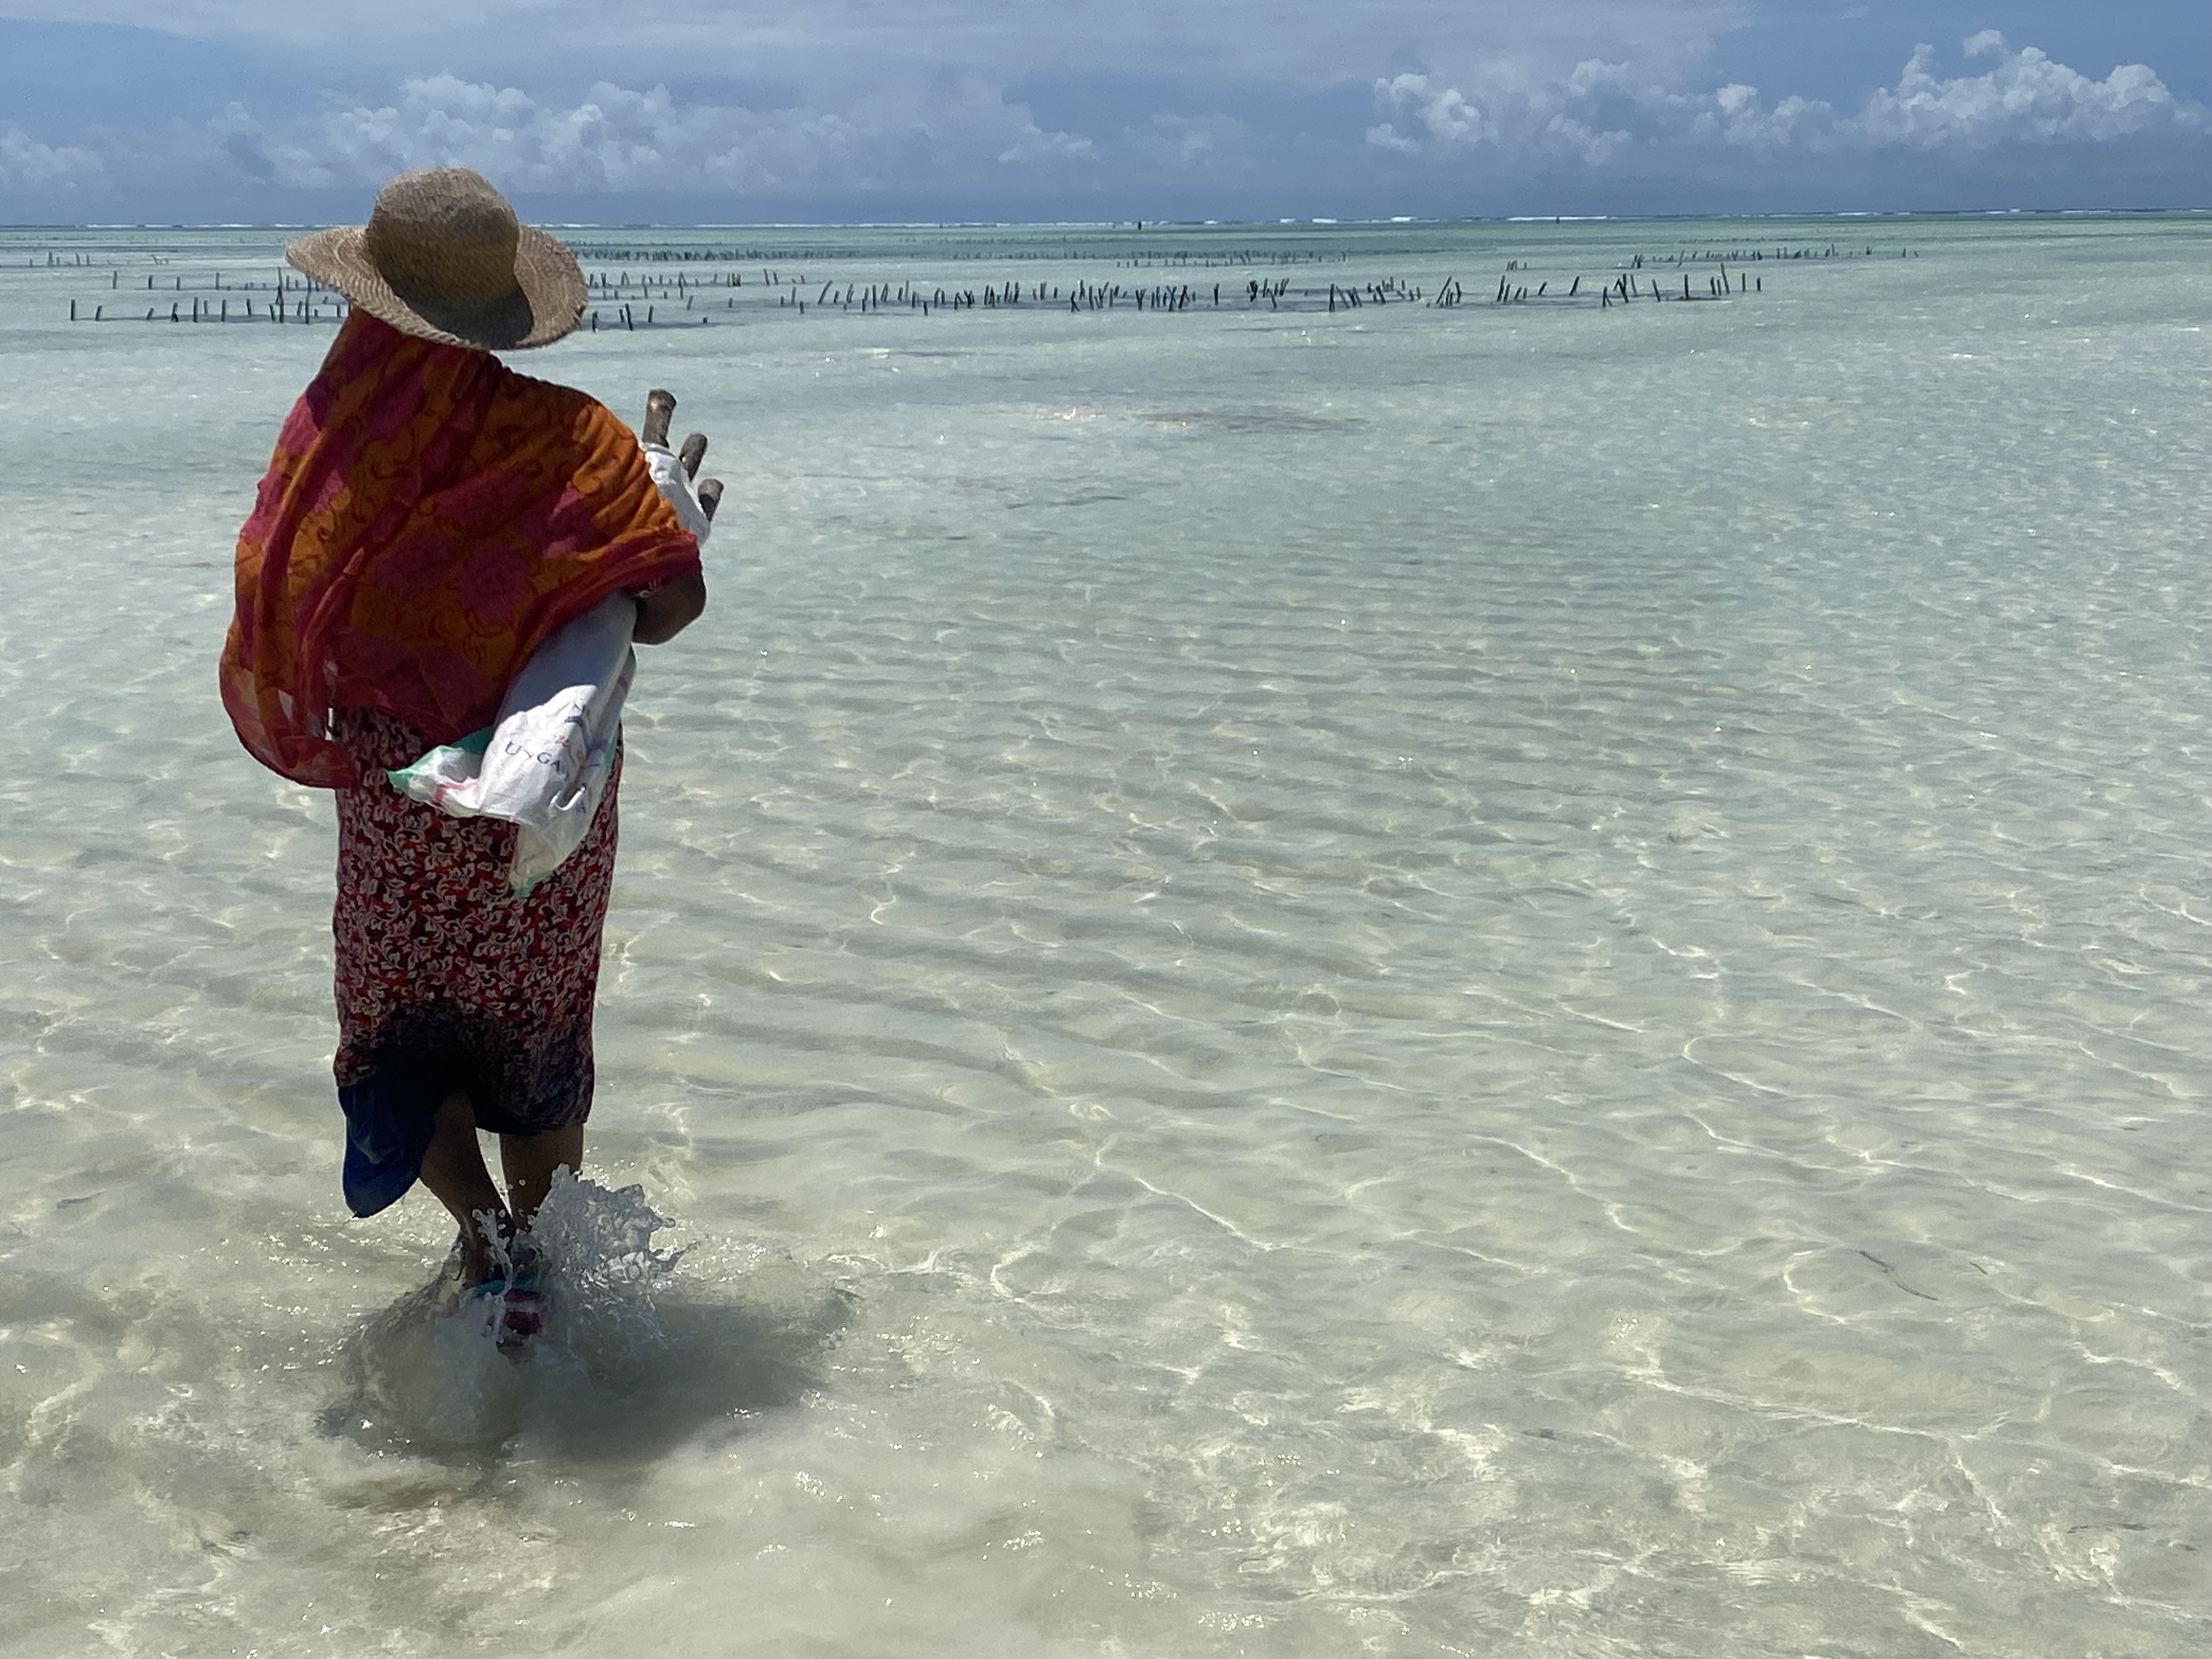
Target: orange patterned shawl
column 428, row 518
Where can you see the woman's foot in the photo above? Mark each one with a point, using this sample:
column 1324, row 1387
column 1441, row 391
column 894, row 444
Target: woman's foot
column 453, row 1169
column 505, row 1288
column 524, row 1309
column 484, row 1249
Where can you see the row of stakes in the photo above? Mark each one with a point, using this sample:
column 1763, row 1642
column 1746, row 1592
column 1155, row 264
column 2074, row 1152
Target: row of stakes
column 289, row 299
column 1227, row 259
column 324, row 306
column 770, row 277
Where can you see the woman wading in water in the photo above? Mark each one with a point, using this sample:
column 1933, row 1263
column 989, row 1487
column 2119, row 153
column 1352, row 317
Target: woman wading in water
column 429, row 518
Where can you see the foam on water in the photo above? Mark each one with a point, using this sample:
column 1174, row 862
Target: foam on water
column 1499, row 981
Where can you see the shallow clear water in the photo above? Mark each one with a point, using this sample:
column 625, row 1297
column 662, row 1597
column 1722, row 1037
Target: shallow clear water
column 1506, row 980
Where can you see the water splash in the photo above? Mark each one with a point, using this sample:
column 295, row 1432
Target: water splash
column 605, row 1278
column 427, row 1370
column 625, row 1355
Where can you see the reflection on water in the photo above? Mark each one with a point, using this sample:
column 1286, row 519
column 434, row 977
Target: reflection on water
column 1481, row 981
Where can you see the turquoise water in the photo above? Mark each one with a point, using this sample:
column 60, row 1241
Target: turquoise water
column 1506, row 980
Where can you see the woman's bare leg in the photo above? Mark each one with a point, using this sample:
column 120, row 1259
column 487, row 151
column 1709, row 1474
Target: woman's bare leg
column 528, row 1163
column 453, row 1169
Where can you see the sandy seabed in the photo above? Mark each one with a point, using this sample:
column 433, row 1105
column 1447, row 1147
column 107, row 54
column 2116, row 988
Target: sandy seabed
column 1510, row 980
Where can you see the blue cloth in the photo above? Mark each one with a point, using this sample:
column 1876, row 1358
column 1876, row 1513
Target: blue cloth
column 390, row 1116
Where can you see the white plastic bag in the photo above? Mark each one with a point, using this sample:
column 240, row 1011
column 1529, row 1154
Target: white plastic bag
column 543, row 763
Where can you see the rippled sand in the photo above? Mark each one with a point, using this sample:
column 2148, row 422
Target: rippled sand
column 1501, row 982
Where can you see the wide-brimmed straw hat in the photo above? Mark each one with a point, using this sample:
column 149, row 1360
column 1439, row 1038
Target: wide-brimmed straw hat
column 443, row 257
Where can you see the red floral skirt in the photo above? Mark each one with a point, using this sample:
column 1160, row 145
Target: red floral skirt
column 446, row 980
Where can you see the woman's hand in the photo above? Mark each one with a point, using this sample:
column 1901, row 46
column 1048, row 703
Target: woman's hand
column 668, row 610
column 673, row 606
column 674, row 473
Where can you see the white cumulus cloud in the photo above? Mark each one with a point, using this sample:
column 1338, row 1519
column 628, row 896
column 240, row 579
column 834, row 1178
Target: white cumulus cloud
column 2025, row 96
column 1603, row 109
column 619, row 140
column 27, row 164
column 1440, row 114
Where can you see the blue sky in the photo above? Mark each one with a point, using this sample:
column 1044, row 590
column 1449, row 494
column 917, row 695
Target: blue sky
column 732, row 109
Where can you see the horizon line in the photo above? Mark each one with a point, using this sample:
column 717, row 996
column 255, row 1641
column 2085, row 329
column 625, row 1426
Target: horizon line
column 1316, row 223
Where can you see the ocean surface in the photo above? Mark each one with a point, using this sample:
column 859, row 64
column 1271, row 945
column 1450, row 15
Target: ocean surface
column 1505, row 979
